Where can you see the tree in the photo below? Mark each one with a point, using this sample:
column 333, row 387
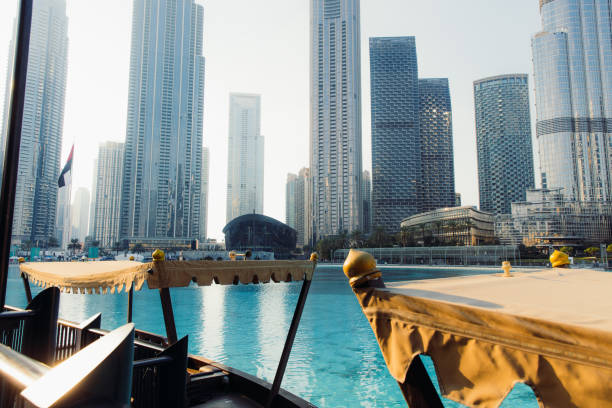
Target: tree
column 592, row 251
column 74, row 245
column 138, row 248
column 356, row 239
column 52, row 242
column 117, row 247
column 567, row 250
column 26, row 245
column 609, row 249
column 95, row 243
column 379, row 238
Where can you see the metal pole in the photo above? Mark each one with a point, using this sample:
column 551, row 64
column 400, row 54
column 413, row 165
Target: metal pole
column 130, row 303
column 11, row 153
column 295, row 322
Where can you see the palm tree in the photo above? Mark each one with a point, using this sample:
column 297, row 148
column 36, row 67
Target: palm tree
column 138, row 248
column 74, row 245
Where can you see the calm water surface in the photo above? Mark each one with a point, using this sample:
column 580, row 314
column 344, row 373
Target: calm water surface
column 335, row 360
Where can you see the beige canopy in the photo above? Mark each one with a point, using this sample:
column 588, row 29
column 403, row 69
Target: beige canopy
column 551, row 329
column 105, row 276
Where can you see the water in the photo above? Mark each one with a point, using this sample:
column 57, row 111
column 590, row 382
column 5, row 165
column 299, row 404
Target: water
column 335, row 360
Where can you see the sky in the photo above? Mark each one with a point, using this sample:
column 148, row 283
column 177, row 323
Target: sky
column 262, row 46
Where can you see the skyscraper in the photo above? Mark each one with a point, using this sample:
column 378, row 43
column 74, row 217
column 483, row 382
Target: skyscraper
column 290, row 204
column 106, row 193
column 366, row 194
column 163, row 145
column 80, row 213
column 503, row 138
column 572, row 59
column 396, row 145
column 245, row 157
column 204, row 197
column 335, row 115
column 43, row 120
column 436, row 134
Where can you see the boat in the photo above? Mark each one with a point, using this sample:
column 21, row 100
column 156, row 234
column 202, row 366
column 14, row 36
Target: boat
column 550, row 329
column 195, row 381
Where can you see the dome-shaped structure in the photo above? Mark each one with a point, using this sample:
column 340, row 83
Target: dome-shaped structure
column 260, row 233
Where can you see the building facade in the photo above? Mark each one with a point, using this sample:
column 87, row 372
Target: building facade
column 43, row 120
column 290, row 200
column 303, row 212
column 335, row 115
column 450, row 226
column 80, row 214
column 366, row 194
column 245, row 157
column 108, row 177
column 163, row 145
column 436, row 134
column 257, row 232
column 396, row 145
column 548, row 218
column 572, row 58
column 503, row 139
column 204, row 196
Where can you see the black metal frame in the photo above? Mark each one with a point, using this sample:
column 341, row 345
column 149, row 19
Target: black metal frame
column 13, row 141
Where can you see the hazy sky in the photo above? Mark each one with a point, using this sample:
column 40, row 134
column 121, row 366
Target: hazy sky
column 262, row 46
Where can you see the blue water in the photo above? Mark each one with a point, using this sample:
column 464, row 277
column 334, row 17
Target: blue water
column 335, row 360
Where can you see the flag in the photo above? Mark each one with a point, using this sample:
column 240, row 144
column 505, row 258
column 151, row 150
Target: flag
column 68, row 167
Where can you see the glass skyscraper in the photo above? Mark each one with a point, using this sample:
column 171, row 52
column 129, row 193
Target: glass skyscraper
column 335, row 115
column 245, row 157
column 204, row 195
column 572, row 58
column 412, row 137
column 436, row 134
column 396, row 145
column 106, row 194
column 43, row 121
column 163, row 145
column 503, row 139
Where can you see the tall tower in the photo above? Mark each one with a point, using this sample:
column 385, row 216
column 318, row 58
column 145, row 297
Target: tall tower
column 106, row 194
column 290, row 201
column 572, row 58
column 366, row 195
column 43, row 121
column 245, row 149
column 335, row 115
column 163, row 144
column 436, row 133
column 396, row 146
column 204, row 197
column 503, row 138
column 80, row 213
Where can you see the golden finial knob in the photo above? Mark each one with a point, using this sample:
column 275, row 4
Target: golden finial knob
column 232, row 255
column 131, row 257
column 314, row 257
column 559, row 259
column 506, row 267
column 359, row 267
column 21, row 259
column 158, row 255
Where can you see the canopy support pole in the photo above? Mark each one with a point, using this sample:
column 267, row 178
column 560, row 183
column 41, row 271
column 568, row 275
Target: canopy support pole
column 130, row 303
column 13, row 142
column 295, row 322
column 166, row 302
column 26, row 287
column 418, row 390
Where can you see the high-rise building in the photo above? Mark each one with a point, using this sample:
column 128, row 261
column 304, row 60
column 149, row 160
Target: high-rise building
column 204, row 197
column 163, row 145
column 572, row 59
column 245, row 157
column 108, row 177
column 366, row 194
column 80, row 214
column 335, row 115
column 457, row 199
column 43, row 119
column 290, row 204
column 303, row 204
column 396, row 145
column 503, row 138
column 436, row 134
column 63, row 227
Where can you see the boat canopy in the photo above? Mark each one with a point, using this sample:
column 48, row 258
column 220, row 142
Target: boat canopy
column 112, row 276
column 551, row 329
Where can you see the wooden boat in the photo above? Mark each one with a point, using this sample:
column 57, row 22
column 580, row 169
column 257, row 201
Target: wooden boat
column 550, row 329
column 199, row 382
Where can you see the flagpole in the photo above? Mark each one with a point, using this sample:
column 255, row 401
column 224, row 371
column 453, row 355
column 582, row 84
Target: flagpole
column 13, row 142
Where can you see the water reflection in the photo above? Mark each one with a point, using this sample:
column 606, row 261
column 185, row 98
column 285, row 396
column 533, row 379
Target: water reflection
column 274, row 318
column 212, row 323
